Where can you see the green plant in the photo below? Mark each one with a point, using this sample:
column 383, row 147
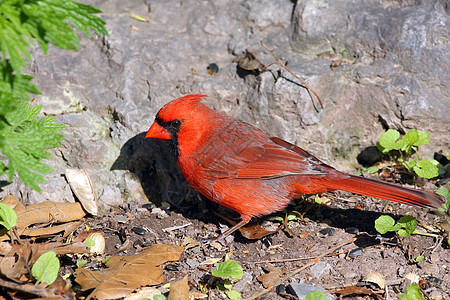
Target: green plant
column 446, row 193
column 316, row 295
column 225, row 270
column 46, row 268
column 413, row 293
column 390, row 143
column 23, row 137
column 8, row 218
column 404, row 227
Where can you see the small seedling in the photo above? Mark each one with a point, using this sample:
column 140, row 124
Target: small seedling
column 8, row 218
column 390, row 142
column 89, row 243
column 413, row 293
column 404, row 227
column 443, row 191
column 81, row 263
column 46, row 268
column 225, row 270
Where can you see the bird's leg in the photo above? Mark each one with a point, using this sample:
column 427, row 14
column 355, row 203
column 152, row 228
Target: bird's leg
column 221, row 237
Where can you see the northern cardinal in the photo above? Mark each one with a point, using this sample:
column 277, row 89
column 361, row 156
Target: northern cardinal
column 242, row 168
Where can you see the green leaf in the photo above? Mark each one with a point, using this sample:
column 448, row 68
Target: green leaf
column 227, row 269
column 8, row 216
column 427, row 168
column 372, row 170
column 81, row 263
column 384, row 224
column 409, row 224
column 410, row 164
column 233, row 294
column 419, row 258
column 46, row 268
column 23, row 140
column 416, row 137
column 89, row 243
column 388, row 141
column 159, row 297
column 316, row 295
column 413, row 293
column 445, row 192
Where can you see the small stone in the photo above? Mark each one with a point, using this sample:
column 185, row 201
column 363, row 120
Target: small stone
column 172, row 267
column 280, row 289
column 356, row 252
column 246, row 280
column 352, row 230
column 302, row 290
column 192, row 263
column 327, row 231
column 213, row 69
column 148, row 206
column 139, row 230
column 120, row 219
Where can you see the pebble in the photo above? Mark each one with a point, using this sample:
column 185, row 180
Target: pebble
column 148, row 206
column 192, row 263
column 356, row 252
column 213, row 69
column 139, row 230
column 245, row 281
column 327, row 231
column 352, row 230
column 172, row 267
column 301, row 290
column 120, row 219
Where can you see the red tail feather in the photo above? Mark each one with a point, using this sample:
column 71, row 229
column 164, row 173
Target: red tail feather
column 387, row 191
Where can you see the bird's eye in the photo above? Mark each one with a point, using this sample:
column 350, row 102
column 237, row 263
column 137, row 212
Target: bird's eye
column 176, row 124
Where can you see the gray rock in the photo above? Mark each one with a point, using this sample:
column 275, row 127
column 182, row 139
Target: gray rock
column 302, row 290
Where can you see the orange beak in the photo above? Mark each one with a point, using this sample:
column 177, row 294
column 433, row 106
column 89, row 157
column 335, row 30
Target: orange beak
column 158, row 132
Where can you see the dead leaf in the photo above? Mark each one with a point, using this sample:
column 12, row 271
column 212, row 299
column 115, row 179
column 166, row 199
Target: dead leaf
column 126, row 274
column 81, row 184
column 45, row 212
column 146, row 292
column 355, row 290
column 17, row 261
column 269, row 279
column 248, row 61
column 179, row 289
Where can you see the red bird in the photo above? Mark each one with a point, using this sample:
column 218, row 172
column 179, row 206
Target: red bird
column 241, row 167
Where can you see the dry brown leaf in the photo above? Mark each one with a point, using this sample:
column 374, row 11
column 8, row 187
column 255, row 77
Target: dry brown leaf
column 355, row 290
column 146, row 292
column 179, row 289
column 269, row 279
column 81, row 184
column 248, row 61
column 126, row 274
column 44, row 212
column 41, row 232
column 17, row 261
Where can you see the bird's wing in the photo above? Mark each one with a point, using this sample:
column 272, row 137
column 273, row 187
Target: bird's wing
column 250, row 156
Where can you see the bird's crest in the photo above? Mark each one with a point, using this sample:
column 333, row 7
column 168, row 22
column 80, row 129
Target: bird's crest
column 180, row 105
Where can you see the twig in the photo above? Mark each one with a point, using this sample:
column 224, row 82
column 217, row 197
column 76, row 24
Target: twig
column 298, row 270
column 176, row 227
column 292, row 73
column 28, row 288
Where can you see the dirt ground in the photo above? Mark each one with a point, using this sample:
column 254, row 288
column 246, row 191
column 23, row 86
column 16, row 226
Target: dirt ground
column 345, row 215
